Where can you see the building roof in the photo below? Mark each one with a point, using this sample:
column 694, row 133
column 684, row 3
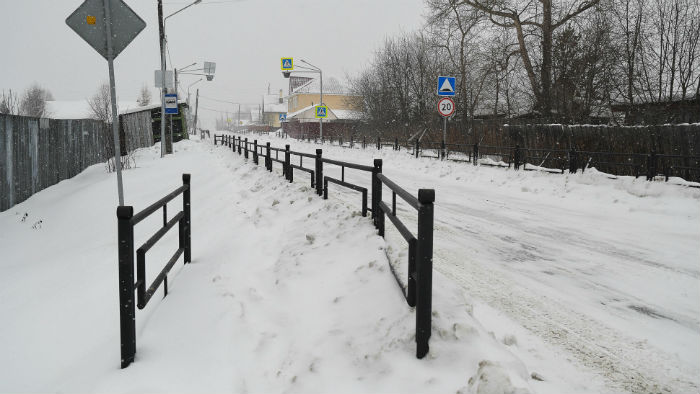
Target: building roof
column 330, row 86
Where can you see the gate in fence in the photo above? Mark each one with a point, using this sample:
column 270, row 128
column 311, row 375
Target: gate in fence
column 418, row 291
column 126, row 223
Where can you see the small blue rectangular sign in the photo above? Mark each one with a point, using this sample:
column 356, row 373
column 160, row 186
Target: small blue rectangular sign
column 171, row 104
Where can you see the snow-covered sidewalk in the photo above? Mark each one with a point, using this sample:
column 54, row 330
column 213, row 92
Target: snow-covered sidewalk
column 286, row 293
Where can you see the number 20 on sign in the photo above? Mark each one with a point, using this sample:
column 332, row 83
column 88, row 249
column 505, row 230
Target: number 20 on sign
column 446, row 107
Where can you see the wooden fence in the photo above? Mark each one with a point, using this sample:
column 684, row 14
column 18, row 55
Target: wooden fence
column 38, row 153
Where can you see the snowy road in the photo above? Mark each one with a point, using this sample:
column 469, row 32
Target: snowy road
column 607, row 272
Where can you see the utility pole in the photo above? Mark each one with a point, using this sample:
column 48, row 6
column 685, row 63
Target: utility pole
column 161, row 29
column 196, row 108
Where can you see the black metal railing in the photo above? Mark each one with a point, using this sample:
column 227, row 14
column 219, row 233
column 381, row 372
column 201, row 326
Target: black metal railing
column 126, row 223
column 418, row 292
column 650, row 165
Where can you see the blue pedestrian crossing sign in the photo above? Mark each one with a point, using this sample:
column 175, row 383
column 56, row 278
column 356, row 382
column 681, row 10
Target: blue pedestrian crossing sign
column 446, row 86
column 287, row 64
column 283, row 117
column 321, row 112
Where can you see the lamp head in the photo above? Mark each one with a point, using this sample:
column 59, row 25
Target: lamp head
column 286, row 73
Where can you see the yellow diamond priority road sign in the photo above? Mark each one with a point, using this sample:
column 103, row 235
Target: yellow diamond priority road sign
column 89, row 22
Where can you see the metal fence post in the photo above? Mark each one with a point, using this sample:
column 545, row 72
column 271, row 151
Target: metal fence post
column 127, row 311
column 652, row 161
column 246, row 148
column 319, row 172
column 417, row 147
column 376, row 191
column 255, row 152
column 442, row 150
column 188, row 218
column 516, row 157
column 476, row 154
column 287, row 163
column 379, row 143
column 364, row 142
column 268, row 159
column 352, row 144
column 424, row 271
column 396, row 143
column 239, row 145
column 573, row 161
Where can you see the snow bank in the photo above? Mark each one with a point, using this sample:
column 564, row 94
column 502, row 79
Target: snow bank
column 286, row 293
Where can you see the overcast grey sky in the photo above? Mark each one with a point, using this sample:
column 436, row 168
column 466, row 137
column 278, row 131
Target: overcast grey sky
column 246, row 38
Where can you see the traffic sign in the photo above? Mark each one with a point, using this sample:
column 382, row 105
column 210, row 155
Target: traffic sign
column 283, row 117
column 446, row 107
column 89, row 21
column 171, row 104
column 287, row 64
column 321, row 112
column 446, row 86
column 169, row 79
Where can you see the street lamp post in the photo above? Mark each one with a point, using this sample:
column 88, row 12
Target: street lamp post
column 161, row 28
column 320, row 120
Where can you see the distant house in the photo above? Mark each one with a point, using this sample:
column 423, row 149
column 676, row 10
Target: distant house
column 308, row 93
column 274, row 109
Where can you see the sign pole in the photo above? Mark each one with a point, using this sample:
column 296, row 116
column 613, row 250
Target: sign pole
column 113, row 93
column 444, row 136
column 162, row 76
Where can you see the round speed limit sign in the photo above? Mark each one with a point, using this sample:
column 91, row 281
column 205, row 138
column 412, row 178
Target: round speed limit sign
column 446, row 107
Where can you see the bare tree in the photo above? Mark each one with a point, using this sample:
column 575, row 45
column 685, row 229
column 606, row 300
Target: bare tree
column 144, row 96
column 33, row 102
column 101, row 104
column 9, row 103
column 534, row 18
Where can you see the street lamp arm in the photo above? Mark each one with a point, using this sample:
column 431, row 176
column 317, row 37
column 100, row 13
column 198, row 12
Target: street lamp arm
column 181, row 9
column 309, row 64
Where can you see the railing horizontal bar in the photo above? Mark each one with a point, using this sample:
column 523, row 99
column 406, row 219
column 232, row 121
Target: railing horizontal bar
column 159, row 279
column 161, row 232
column 277, row 160
column 408, row 197
column 309, row 155
column 296, row 167
column 348, row 185
column 157, row 205
column 349, row 165
column 405, row 232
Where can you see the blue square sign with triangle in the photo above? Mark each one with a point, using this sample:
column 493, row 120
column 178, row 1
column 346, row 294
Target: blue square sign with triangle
column 446, row 86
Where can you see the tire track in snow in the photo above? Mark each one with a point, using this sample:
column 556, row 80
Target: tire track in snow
column 624, row 363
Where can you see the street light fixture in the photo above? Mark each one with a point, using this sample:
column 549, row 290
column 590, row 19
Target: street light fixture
column 161, row 26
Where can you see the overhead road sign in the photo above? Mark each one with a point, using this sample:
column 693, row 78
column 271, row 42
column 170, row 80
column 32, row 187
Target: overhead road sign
column 321, row 112
column 171, row 104
column 446, row 107
column 287, row 63
column 446, row 86
column 89, row 21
